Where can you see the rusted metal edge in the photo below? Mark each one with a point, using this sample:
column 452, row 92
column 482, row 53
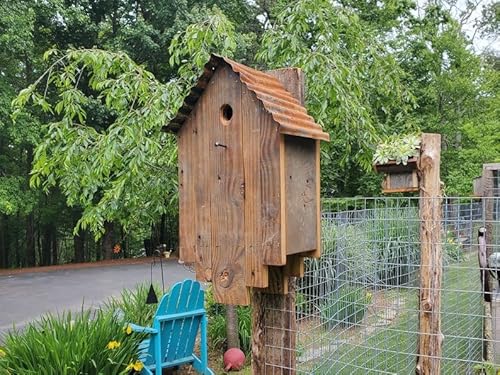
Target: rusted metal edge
column 285, row 109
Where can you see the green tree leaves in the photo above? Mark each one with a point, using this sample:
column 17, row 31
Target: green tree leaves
column 119, row 165
column 354, row 85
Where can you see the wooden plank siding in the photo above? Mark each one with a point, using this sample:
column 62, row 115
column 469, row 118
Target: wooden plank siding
column 270, row 186
column 256, row 273
column 186, row 202
column 201, row 210
column 226, row 184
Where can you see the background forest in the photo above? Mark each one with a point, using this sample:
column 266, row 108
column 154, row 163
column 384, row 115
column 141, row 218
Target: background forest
column 86, row 85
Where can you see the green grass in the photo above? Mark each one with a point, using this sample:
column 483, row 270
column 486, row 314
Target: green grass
column 392, row 349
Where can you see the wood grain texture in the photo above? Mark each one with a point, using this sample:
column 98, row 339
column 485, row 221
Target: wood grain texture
column 187, row 251
column 430, row 336
column 317, row 252
column 273, row 308
column 199, row 213
column 294, row 265
column 277, row 281
column 301, row 195
column 488, row 193
column 273, row 332
column 226, row 182
column 400, row 182
column 252, row 112
column 270, row 174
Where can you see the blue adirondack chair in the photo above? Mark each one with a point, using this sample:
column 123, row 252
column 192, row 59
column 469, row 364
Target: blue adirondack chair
column 179, row 317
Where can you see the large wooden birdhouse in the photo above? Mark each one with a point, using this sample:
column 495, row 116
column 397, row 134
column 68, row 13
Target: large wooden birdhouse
column 249, row 177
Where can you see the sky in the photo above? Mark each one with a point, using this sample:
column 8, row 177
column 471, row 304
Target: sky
column 480, row 43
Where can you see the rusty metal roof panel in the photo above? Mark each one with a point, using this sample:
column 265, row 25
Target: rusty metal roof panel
column 285, row 109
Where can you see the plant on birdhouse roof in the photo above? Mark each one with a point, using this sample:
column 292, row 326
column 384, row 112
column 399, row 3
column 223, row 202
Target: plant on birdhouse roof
column 398, row 148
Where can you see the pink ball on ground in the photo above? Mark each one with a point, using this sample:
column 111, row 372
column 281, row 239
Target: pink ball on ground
column 234, row 359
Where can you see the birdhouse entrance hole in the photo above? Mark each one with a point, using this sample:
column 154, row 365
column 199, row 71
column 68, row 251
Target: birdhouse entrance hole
column 226, row 114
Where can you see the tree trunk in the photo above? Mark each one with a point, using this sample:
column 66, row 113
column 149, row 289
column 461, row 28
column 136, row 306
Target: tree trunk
column 163, row 229
column 46, row 245
column 4, row 242
column 148, row 246
column 30, row 258
column 54, row 245
column 108, row 240
column 17, row 246
column 79, row 246
column 78, row 239
column 233, row 338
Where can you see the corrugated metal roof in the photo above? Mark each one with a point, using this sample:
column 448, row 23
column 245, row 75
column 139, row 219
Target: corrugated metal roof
column 285, row 109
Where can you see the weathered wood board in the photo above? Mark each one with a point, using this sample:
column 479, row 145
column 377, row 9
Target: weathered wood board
column 256, row 272
column 301, row 198
column 226, row 187
column 430, row 336
column 401, row 182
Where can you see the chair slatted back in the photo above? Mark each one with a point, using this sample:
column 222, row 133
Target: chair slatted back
column 178, row 334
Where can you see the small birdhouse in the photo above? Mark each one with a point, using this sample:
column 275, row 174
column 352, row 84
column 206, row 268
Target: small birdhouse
column 249, row 176
column 399, row 178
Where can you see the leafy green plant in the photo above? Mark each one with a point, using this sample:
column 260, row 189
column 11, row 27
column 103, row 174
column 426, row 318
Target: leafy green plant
column 319, row 278
column 85, row 343
column 397, row 148
column 346, row 307
column 486, row 368
column 131, row 305
column 217, row 323
column 452, row 249
column 245, row 327
column 397, row 258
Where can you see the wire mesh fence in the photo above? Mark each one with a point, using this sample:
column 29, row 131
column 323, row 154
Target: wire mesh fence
column 357, row 307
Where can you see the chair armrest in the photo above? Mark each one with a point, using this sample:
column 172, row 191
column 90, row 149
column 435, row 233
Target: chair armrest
column 140, row 329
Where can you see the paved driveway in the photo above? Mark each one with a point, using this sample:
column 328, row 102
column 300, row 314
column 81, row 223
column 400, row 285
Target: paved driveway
column 25, row 297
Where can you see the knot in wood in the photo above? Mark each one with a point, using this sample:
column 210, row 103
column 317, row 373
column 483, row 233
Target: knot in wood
column 427, row 306
column 225, row 278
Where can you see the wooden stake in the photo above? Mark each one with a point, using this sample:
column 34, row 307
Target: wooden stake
column 430, row 336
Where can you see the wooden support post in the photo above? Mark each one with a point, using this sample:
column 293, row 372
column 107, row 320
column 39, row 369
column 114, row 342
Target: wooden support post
column 488, row 204
column 273, row 309
column 430, row 337
column 274, row 332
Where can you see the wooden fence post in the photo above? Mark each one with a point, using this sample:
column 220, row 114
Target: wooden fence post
column 273, row 332
column 489, row 200
column 430, row 337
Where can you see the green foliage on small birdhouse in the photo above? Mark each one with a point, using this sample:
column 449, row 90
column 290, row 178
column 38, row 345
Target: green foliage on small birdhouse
column 397, row 148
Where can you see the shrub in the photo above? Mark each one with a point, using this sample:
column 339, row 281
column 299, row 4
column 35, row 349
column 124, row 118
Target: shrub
column 346, row 307
column 85, row 343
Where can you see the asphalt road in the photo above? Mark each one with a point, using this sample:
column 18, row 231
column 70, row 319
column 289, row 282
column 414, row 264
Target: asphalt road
column 26, row 297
